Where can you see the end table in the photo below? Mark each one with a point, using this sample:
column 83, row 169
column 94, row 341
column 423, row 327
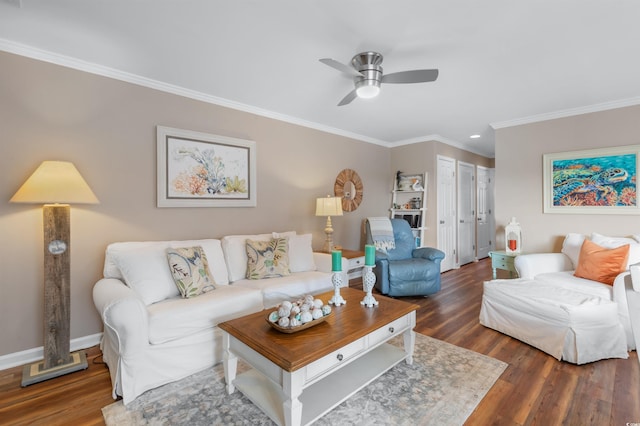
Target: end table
column 356, row 262
column 503, row 260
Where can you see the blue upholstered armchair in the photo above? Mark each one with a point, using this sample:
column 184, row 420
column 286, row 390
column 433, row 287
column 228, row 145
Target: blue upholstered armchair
column 406, row 270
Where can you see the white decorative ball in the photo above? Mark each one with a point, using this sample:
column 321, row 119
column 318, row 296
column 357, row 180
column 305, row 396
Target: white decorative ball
column 306, row 317
column 305, row 307
column 286, row 304
column 283, row 311
column 326, row 310
column 294, row 322
column 295, row 310
column 317, row 303
column 274, row 317
column 283, row 322
column 316, row 314
column 308, row 298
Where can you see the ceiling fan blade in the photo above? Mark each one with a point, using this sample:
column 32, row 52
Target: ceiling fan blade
column 341, row 67
column 347, row 99
column 414, row 76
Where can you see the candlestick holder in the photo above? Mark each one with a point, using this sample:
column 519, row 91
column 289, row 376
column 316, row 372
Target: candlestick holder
column 368, row 280
column 337, row 299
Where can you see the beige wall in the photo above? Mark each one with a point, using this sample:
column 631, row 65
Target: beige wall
column 421, row 157
column 519, row 152
column 108, row 129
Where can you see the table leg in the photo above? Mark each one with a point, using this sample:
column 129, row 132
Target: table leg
column 495, row 275
column 292, row 387
column 230, row 362
column 409, row 338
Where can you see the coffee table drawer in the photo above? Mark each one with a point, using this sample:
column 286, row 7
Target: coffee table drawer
column 328, row 362
column 388, row 331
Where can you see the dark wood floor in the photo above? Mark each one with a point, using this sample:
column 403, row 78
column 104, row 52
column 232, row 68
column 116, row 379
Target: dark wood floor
column 534, row 390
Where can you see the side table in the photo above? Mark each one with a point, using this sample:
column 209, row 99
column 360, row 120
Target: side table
column 356, row 262
column 503, row 260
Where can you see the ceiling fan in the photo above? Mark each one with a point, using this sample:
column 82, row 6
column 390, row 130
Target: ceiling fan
column 367, row 75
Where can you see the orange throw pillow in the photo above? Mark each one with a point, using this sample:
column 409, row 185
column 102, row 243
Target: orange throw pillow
column 600, row 264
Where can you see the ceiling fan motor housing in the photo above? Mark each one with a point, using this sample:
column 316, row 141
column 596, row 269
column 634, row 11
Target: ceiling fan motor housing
column 368, row 64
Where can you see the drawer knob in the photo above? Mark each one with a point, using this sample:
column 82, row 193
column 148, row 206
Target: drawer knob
column 391, row 329
column 340, row 357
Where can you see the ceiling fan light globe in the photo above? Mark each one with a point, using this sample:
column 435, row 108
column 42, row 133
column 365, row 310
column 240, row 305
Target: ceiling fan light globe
column 367, row 92
column 368, row 89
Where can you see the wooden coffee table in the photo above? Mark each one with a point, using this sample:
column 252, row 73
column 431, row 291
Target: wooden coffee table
column 296, row 378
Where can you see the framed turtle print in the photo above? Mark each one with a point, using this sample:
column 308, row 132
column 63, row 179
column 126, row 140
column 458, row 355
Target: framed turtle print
column 596, row 181
column 201, row 170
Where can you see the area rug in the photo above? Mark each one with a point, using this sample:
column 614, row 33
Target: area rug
column 442, row 387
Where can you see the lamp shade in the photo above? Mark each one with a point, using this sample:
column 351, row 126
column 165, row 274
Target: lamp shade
column 329, row 206
column 55, row 182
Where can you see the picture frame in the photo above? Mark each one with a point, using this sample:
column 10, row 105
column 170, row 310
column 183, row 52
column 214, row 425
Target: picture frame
column 197, row 169
column 594, row 181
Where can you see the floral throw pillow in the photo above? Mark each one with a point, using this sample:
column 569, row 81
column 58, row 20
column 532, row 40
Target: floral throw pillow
column 190, row 271
column 267, row 259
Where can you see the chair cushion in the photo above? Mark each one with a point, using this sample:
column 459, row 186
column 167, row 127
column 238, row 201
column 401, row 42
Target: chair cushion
column 405, row 241
column 412, row 269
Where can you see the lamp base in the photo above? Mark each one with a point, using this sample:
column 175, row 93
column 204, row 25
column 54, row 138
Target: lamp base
column 36, row 373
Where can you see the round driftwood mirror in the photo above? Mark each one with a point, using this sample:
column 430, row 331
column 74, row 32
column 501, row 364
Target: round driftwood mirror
column 349, row 187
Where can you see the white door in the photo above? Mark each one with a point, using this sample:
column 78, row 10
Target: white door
column 492, row 207
column 446, row 200
column 483, row 208
column 466, row 213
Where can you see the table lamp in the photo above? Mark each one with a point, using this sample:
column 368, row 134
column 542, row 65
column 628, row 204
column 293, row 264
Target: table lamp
column 55, row 184
column 328, row 206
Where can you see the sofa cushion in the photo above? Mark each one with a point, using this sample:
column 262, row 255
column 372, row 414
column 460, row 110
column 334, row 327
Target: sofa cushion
column 146, row 271
column 567, row 280
column 291, row 287
column 601, row 264
column 267, row 259
column 234, row 248
column 190, row 270
column 131, row 262
column 571, row 247
column 301, row 253
column 615, row 242
column 173, row 319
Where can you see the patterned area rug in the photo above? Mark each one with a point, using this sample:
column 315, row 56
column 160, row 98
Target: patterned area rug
column 442, row 387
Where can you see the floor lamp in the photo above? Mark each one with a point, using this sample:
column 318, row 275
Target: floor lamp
column 328, row 206
column 56, row 184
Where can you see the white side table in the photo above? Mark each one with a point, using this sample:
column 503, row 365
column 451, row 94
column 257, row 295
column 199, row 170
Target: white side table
column 356, row 262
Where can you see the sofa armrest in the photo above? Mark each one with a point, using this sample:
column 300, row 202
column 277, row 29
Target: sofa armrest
column 430, row 253
column 530, row 265
column 323, row 262
column 123, row 314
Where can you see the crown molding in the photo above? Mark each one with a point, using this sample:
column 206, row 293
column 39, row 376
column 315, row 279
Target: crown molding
column 567, row 113
column 441, row 139
column 97, row 69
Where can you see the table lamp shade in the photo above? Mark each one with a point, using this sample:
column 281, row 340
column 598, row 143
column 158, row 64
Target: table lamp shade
column 329, row 206
column 55, row 182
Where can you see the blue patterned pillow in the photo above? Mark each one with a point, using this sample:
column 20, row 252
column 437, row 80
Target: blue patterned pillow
column 267, row 259
column 190, row 271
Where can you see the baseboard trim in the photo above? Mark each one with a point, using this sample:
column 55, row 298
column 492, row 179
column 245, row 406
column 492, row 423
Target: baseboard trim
column 36, row 354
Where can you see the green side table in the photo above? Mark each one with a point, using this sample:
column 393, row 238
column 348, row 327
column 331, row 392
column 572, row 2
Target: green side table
column 503, row 260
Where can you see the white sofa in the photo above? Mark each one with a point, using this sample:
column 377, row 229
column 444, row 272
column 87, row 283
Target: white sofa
column 153, row 336
column 571, row 318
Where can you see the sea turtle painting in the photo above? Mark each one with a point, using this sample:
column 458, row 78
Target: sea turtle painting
column 602, row 181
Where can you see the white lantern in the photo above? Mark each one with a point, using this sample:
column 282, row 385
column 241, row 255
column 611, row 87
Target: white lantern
column 513, row 237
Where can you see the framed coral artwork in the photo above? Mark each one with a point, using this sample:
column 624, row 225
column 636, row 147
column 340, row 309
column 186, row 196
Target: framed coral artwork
column 201, row 170
column 596, row 181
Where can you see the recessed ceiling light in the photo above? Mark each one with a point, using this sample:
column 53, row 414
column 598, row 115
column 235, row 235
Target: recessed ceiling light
column 474, row 136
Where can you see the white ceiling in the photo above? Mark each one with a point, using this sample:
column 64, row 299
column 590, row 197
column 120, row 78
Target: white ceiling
column 501, row 62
